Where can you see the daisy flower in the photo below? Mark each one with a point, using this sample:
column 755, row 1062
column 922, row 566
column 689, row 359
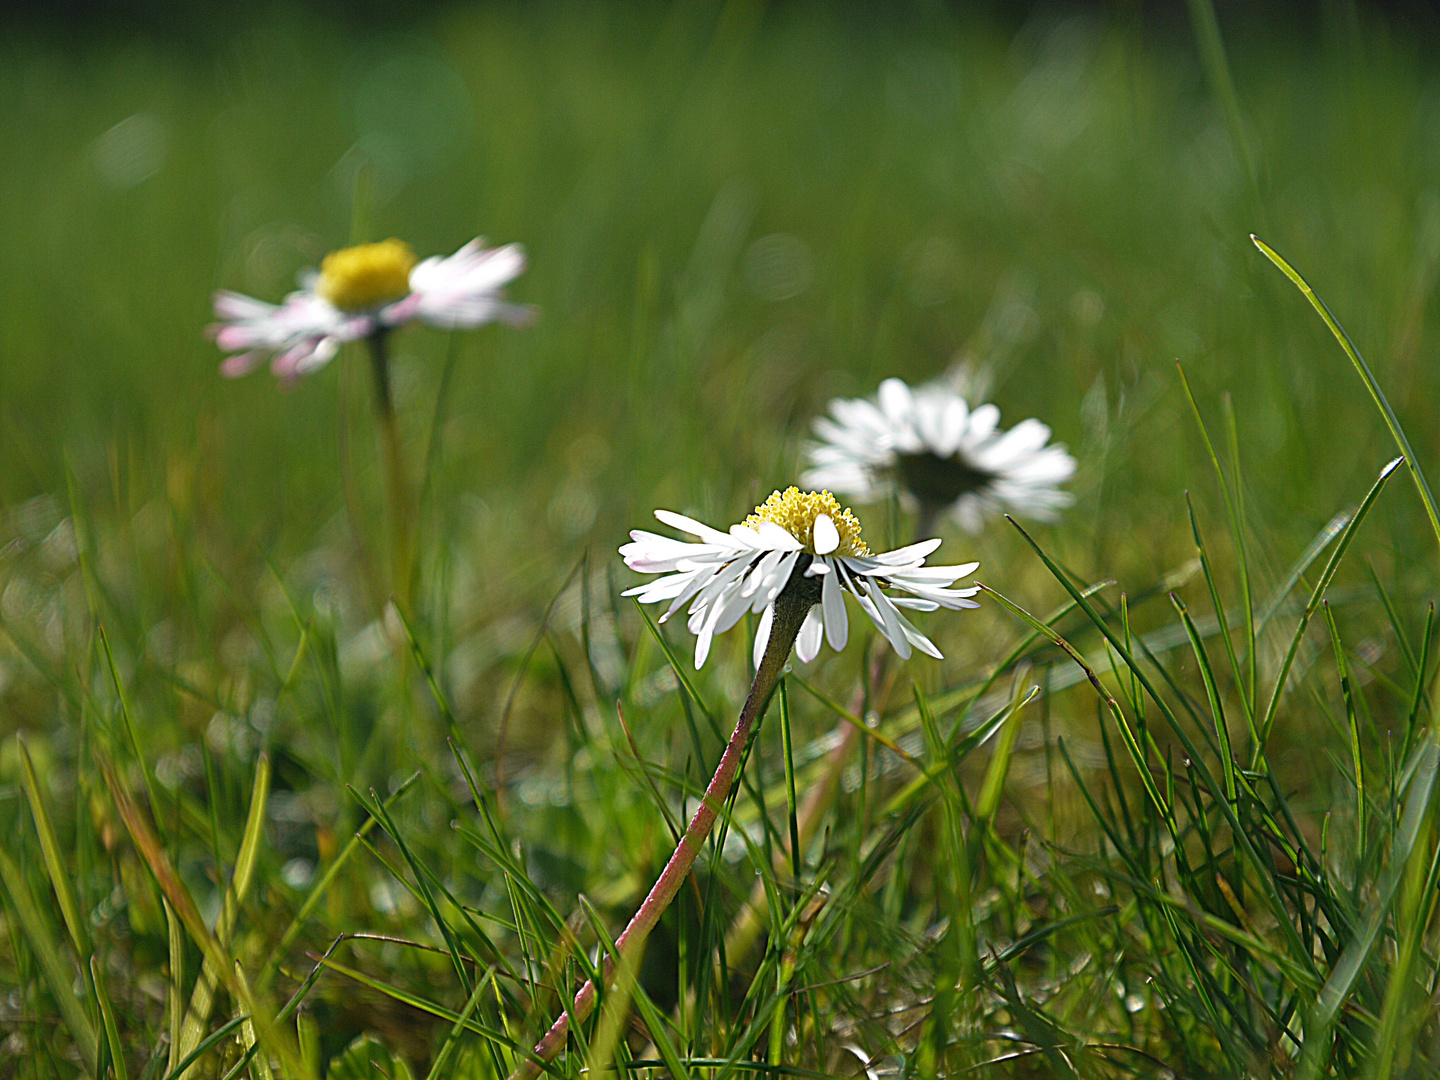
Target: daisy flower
column 792, row 561
column 942, row 456
column 360, row 293
column 803, row 544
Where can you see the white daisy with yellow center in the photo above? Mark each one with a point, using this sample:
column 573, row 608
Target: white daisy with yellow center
column 363, row 291
column 798, row 540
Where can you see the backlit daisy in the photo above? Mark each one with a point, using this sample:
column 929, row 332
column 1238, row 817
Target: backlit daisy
column 941, row 455
column 791, row 561
column 802, row 544
column 361, row 292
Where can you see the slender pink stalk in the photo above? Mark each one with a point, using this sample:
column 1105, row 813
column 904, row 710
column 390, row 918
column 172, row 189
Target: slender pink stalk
column 791, row 607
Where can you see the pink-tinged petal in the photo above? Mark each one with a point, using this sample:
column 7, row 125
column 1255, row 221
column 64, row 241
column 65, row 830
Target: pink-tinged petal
column 241, row 364
column 402, row 311
column 324, row 351
column 464, row 289
column 232, row 337
column 285, row 366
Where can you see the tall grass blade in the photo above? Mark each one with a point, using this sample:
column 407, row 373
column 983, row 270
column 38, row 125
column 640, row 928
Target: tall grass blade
column 1371, row 384
column 107, row 1018
column 791, row 801
column 202, row 999
column 442, row 1056
column 50, row 851
column 1222, row 85
column 987, row 802
column 1212, row 693
column 52, row 965
column 1234, row 511
column 1267, row 721
column 175, row 993
column 1357, row 759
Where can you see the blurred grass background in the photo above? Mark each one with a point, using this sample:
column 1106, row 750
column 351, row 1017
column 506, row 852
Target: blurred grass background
column 734, row 212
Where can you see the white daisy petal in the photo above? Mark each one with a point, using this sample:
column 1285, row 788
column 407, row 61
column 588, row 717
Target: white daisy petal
column 826, row 536
column 703, row 638
column 777, row 580
column 695, row 528
column 698, row 581
column 775, row 537
column 837, row 629
column 807, row 645
column 762, row 635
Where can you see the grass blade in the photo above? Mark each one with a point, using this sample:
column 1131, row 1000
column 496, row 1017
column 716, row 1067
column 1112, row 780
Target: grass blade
column 52, row 966
column 317, row 891
column 1243, row 841
column 1418, row 815
column 107, row 1017
column 174, row 999
column 1376, row 394
column 1331, row 565
column 791, row 802
column 1212, row 693
column 50, row 850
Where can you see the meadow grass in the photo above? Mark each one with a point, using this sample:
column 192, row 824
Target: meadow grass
column 1166, row 809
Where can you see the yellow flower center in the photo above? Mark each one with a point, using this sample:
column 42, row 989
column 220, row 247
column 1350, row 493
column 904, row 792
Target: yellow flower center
column 795, row 511
column 367, row 275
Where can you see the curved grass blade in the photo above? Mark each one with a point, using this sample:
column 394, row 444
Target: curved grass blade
column 1212, row 693
column 1333, row 564
column 202, row 999
column 52, row 966
column 1366, row 376
column 50, row 849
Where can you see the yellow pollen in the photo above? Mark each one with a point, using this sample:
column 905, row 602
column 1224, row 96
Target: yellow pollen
column 795, row 511
column 367, row 275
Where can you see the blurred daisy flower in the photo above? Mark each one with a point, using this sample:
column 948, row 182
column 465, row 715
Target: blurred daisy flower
column 804, row 545
column 360, row 293
column 942, row 456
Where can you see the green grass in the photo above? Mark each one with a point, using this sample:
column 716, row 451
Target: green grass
column 252, row 809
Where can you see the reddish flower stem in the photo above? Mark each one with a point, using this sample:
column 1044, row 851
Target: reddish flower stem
column 791, row 607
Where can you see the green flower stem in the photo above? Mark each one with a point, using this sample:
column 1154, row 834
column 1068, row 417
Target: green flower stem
column 791, row 607
column 401, row 501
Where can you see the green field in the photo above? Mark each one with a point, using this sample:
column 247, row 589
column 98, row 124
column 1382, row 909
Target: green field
column 733, row 212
